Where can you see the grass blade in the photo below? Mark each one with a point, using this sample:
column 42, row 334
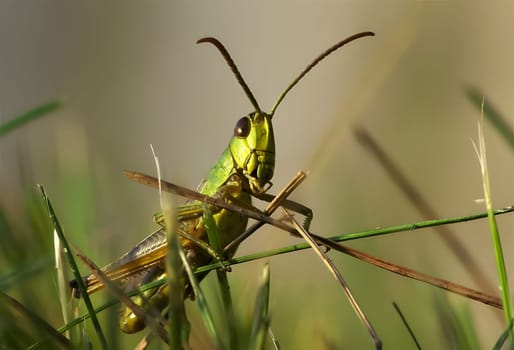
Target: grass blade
column 63, row 287
column 456, row 325
column 261, row 319
column 406, row 324
column 178, row 329
column 338, row 276
column 42, row 324
column 74, row 268
column 274, row 341
column 495, row 236
column 226, row 297
column 401, row 270
column 503, row 337
column 228, row 306
column 193, row 281
column 178, row 324
column 28, row 117
column 492, row 114
column 151, row 316
column 202, row 303
column 415, row 197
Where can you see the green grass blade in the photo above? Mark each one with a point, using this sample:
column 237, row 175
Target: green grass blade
column 211, row 227
column 178, row 332
column 456, row 325
column 87, row 315
column 13, row 276
column 493, row 227
column 28, row 117
column 178, row 324
column 492, row 115
column 261, row 319
column 503, row 337
column 358, row 235
column 64, row 291
column 201, row 301
column 230, row 317
column 417, row 225
column 226, row 297
column 395, row 268
column 38, row 321
column 213, row 237
column 74, row 268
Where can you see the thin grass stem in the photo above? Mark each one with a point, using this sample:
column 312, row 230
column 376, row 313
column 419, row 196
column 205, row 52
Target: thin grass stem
column 338, row 276
column 495, row 236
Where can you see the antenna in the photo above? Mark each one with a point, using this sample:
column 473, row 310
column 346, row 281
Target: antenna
column 315, row 62
column 245, row 87
column 233, row 67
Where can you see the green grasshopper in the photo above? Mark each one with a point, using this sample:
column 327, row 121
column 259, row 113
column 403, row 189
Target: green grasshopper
column 244, row 170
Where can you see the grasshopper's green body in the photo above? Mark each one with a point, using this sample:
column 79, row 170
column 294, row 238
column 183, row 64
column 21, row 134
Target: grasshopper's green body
column 244, row 170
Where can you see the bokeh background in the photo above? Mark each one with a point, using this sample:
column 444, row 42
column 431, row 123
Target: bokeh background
column 129, row 74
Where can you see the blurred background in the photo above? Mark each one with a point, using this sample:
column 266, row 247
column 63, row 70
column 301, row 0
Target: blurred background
column 129, row 74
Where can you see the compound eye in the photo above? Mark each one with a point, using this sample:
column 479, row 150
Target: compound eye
column 242, row 128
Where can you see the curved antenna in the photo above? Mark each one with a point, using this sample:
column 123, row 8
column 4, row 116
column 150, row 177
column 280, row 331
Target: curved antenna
column 315, row 62
column 233, row 67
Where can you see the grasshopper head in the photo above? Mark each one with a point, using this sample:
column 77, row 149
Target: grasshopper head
column 253, row 149
column 253, row 146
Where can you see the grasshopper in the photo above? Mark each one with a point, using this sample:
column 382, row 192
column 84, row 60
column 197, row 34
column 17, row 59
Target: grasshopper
column 244, row 170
